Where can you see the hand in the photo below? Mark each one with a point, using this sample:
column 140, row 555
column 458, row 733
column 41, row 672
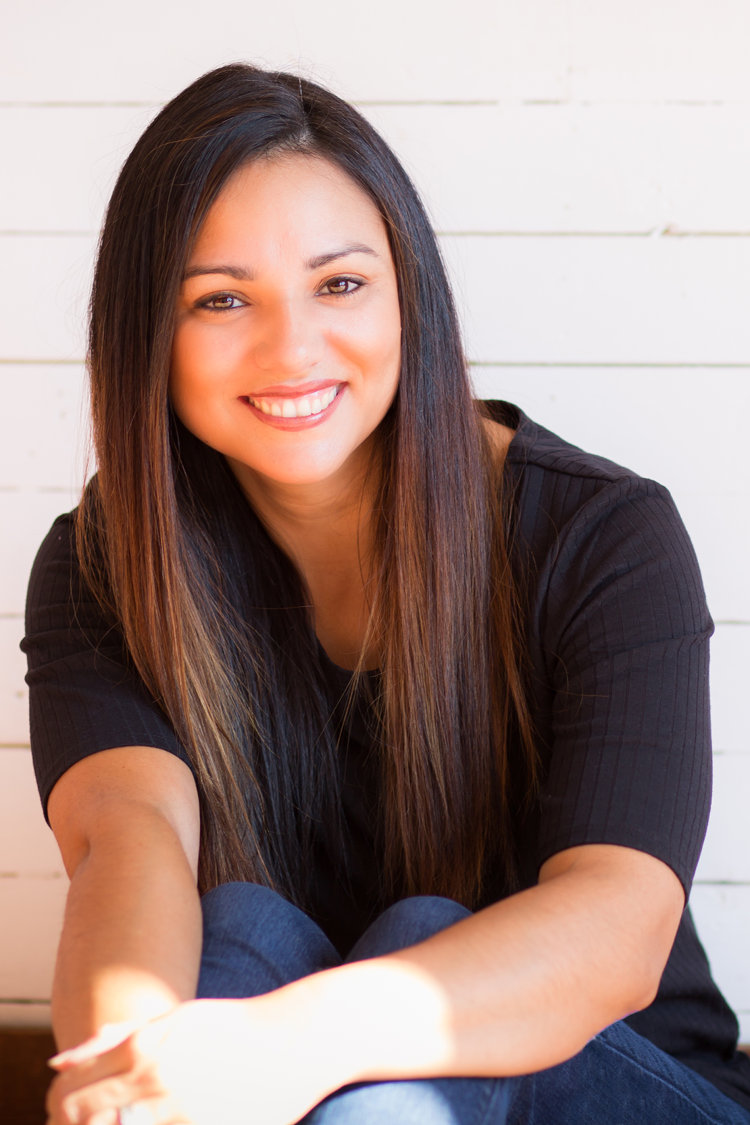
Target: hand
column 206, row 1062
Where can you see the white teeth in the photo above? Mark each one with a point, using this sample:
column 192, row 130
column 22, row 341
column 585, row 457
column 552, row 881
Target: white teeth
column 296, row 407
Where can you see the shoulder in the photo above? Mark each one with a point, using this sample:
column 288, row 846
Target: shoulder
column 58, row 595
column 55, row 556
column 533, row 447
column 55, row 593
column 84, row 692
column 588, row 534
column 564, row 495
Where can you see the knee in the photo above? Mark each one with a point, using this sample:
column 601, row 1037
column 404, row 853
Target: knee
column 255, row 940
column 406, row 922
column 427, row 910
column 251, row 912
column 233, row 908
column 232, row 904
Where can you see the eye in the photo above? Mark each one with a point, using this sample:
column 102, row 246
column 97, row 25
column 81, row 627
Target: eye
column 342, row 286
column 220, row 302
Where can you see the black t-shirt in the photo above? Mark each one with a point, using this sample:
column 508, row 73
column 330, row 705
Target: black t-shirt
column 617, row 631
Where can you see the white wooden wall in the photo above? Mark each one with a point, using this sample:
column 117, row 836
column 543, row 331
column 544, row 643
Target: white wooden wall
column 588, row 167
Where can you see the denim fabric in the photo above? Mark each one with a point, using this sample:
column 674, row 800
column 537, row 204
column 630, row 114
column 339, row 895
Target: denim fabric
column 255, row 941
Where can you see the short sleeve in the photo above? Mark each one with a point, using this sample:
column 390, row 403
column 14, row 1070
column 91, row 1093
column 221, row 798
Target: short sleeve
column 626, row 631
column 84, row 694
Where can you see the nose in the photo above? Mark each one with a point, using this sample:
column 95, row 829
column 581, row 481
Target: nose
column 287, row 340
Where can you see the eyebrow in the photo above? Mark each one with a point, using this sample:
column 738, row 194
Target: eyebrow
column 239, row 273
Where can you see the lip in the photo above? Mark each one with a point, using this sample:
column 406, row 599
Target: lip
column 306, row 423
column 298, row 390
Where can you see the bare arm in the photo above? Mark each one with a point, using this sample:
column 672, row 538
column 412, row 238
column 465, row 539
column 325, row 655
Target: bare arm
column 518, row 987
column 127, row 823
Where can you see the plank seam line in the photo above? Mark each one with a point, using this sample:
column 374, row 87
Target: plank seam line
column 24, row 1001
column 18, row 232
column 721, row 883
column 37, row 876
column 370, row 103
column 614, row 365
column 584, row 365
column 650, row 234
column 499, row 102
column 48, row 362
column 638, row 364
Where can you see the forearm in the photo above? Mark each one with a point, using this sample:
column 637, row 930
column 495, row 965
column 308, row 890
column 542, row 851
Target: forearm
column 516, row 988
column 130, row 946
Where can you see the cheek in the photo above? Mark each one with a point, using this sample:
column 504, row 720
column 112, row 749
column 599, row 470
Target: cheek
column 182, row 372
column 376, row 343
column 192, row 382
column 200, row 367
column 391, row 355
column 182, row 384
column 392, row 330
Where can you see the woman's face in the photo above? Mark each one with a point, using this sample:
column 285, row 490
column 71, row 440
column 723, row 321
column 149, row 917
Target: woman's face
column 287, row 342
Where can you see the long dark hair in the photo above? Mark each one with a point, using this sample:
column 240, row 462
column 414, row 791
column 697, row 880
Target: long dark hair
column 214, row 614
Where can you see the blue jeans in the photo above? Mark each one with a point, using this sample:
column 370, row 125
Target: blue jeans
column 255, row 941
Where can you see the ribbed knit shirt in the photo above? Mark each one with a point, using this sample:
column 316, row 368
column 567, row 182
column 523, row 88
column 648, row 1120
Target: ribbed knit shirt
column 616, row 631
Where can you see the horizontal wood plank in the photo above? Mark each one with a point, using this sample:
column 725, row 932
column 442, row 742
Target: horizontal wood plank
column 515, row 168
column 80, row 148
column 602, row 300
column 665, row 51
column 730, row 661
column 27, row 846
column 14, row 696
column 45, row 282
column 45, row 438
column 145, row 53
column 611, row 168
column 33, row 513
column 726, row 853
column 722, row 918
column 32, row 912
column 521, row 49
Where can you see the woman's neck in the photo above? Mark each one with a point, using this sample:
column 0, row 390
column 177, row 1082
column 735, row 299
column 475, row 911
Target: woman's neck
column 326, row 528
column 299, row 515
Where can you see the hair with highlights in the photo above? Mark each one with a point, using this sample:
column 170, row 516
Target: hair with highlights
column 215, row 616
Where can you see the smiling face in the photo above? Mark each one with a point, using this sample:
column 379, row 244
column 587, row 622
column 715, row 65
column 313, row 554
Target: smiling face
column 287, row 342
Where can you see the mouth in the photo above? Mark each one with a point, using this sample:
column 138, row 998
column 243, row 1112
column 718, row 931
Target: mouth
column 293, row 411
column 303, row 406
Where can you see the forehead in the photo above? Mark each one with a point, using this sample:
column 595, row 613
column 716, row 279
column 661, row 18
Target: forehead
column 298, row 198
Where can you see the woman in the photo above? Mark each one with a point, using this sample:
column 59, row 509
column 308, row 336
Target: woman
column 412, row 691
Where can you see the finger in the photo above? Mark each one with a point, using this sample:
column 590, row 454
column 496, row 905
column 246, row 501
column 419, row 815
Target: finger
column 119, row 1062
column 109, row 1035
column 149, row 1111
column 107, row 1117
column 84, row 1102
column 63, row 1113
